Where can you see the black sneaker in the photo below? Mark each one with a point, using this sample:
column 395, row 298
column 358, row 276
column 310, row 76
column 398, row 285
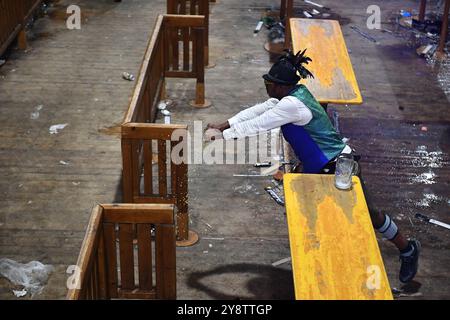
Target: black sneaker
column 410, row 264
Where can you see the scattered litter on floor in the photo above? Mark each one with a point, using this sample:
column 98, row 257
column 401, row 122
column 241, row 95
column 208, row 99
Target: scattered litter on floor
column 205, row 252
column 399, row 293
column 166, row 113
column 314, row 4
column 210, row 245
column 251, row 175
column 54, row 129
column 282, row 261
column 433, row 159
column 365, row 35
column 64, row 163
column 276, row 196
column 35, row 114
column 128, row 76
column 258, row 28
column 20, row 293
column 2, row 62
column 404, row 13
column 424, row 178
column 428, row 199
column 432, row 221
column 218, row 239
column 76, row 183
column 307, row 14
column 32, row 276
column 208, row 225
column 245, row 188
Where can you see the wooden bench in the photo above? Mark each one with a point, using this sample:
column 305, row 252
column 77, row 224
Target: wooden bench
column 13, row 18
column 334, row 249
column 144, row 142
column 334, row 79
column 115, row 237
column 193, row 7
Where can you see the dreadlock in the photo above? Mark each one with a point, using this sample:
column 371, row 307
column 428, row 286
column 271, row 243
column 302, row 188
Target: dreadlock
column 297, row 61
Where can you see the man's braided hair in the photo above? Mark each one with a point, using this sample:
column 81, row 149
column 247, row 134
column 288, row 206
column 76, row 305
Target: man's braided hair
column 298, row 61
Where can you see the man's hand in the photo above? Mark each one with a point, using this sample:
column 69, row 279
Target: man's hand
column 212, row 134
column 221, row 127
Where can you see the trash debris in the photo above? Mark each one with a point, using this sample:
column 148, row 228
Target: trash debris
column 432, row 221
column 276, row 34
column 76, row 183
column 398, row 293
column 128, row 76
column 262, row 164
column 251, row 175
column 210, row 245
column 425, row 178
column 424, row 128
column 336, row 121
column 427, row 50
column 2, row 62
column 365, row 35
column 315, row 12
column 282, row 261
column 307, row 14
column 166, row 114
column 54, row 128
column 278, row 199
column 35, row 114
column 162, row 105
column 208, row 225
column 258, row 27
column 314, row 4
column 219, row 239
column 20, row 293
column 388, row 31
column 32, row 276
column 404, row 13
column 63, row 162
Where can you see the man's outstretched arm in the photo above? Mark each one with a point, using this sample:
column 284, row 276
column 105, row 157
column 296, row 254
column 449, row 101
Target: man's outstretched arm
column 247, row 114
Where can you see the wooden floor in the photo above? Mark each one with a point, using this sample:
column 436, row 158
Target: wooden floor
column 77, row 78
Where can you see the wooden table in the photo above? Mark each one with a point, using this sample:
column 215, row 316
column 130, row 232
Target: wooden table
column 335, row 80
column 334, row 250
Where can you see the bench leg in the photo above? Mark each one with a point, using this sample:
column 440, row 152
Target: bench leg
column 200, row 101
column 22, row 39
column 163, row 95
column 443, row 39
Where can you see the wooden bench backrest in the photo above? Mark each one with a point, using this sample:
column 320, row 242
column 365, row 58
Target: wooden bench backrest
column 143, row 142
column 112, row 266
column 193, row 7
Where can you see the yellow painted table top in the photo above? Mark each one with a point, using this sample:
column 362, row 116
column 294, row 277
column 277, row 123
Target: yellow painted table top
column 334, row 249
column 334, row 79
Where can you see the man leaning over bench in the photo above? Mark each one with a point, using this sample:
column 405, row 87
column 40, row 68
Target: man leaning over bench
column 307, row 128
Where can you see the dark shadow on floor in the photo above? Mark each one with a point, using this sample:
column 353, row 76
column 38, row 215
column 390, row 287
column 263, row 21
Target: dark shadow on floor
column 269, row 283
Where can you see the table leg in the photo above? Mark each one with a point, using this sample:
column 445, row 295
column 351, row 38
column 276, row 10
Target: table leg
column 444, row 31
column 423, row 7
